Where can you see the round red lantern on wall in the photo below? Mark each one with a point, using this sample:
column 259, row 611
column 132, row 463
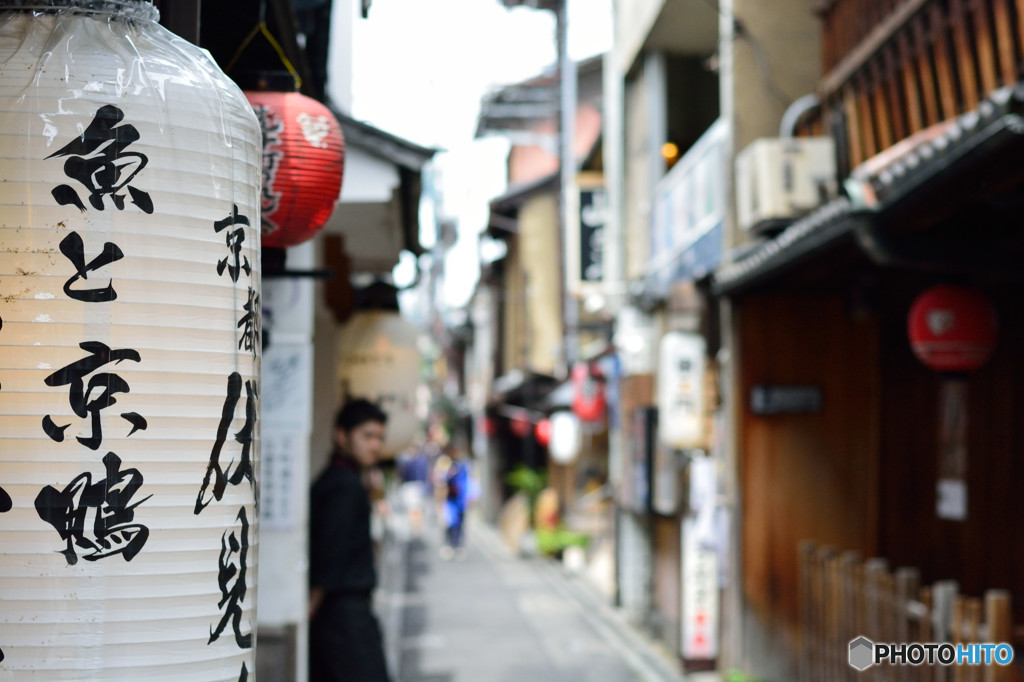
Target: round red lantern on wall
column 588, row 395
column 952, row 329
column 543, row 432
column 303, row 161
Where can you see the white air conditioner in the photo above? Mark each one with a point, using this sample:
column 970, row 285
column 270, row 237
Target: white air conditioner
column 780, row 179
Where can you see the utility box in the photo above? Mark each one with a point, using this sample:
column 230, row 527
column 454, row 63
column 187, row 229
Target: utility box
column 780, row 179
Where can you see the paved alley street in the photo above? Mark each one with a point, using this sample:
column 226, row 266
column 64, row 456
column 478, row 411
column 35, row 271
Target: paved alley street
column 495, row 617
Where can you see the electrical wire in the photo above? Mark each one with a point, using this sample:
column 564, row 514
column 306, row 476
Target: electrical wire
column 760, row 55
column 261, row 28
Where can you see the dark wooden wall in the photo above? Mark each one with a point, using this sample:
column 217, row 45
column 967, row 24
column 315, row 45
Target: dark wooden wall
column 987, row 549
column 807, row 476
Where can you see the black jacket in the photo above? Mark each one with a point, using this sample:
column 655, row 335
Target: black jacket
column 340, row 547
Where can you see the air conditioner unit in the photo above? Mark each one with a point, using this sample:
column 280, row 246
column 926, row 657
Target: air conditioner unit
column 780, row 179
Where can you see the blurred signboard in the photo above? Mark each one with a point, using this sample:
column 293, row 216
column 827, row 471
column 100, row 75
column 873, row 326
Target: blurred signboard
column 593, row 216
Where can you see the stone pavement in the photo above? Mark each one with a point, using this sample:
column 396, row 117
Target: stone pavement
column 496, row 617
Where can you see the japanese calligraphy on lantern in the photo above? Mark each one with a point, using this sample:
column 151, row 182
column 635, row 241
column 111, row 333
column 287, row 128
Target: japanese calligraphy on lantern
column 129, row 353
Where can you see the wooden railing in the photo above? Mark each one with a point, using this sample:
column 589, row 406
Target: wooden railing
column 894, row 67
column 844, row 597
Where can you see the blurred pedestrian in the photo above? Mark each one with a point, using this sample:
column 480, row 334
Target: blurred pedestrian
column 414, row 469
column 456, row 498
column 345, row 640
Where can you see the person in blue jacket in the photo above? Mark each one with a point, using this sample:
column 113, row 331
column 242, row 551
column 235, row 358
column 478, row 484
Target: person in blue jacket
column 457, row 482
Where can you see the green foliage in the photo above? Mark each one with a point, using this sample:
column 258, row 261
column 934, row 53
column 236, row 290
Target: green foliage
column 527, row 481
column 553, row 541
column 739, row 676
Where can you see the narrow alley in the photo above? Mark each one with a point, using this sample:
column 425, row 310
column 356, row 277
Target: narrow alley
column 495, row 616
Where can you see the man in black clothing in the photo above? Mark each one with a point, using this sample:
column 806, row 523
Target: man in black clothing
column 344, row 637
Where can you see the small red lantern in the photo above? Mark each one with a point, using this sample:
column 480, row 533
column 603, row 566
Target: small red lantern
column 588, row 396
column 520, row 426
column 952, row 329
column 303, row 161
column 490, row 426
column 543, row 432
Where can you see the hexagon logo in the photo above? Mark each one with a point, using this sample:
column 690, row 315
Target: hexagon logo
column 862, row 653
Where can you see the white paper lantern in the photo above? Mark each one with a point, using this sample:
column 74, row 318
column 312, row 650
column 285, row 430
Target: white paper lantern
column 566, row 438
column 129, row 351
column 378, row 360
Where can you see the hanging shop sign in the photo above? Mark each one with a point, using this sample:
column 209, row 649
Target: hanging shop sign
column 129, row 350
column 379, row 360
column 588, row 215
column 303, row 161
column 593, row 216
column 681, row 366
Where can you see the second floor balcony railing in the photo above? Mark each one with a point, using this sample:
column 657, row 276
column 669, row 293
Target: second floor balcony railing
column 894, row 67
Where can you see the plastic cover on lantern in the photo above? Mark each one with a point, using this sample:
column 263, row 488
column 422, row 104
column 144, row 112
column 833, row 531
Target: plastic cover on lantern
column 303, row 163
column 129, row 351
column 378, row 359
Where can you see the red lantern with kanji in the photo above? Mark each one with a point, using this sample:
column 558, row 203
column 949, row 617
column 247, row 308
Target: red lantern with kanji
column 303, row 161
column 952, row 329
column 543, row 432
column 588, row 393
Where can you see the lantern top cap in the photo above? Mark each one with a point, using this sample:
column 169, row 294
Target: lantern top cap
column 139, row 10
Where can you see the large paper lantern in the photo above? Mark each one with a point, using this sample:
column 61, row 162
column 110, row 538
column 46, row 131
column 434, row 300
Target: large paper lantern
column 378, row 359
column 129, row 351
column 952, row 329
column 303, row 158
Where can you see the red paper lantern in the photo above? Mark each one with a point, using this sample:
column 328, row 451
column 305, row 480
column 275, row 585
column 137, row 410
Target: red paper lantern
column 303, row 161
column 490, row 427
column 543, row 432
column 588, row 396
column 952, row 329
column 520, row 426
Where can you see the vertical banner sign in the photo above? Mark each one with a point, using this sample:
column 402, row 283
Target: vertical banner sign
column 700, row 595
column 681, row 390
column 593, row 216
column 129, row 351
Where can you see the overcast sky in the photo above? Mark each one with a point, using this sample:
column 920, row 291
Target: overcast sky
column 420, row 70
